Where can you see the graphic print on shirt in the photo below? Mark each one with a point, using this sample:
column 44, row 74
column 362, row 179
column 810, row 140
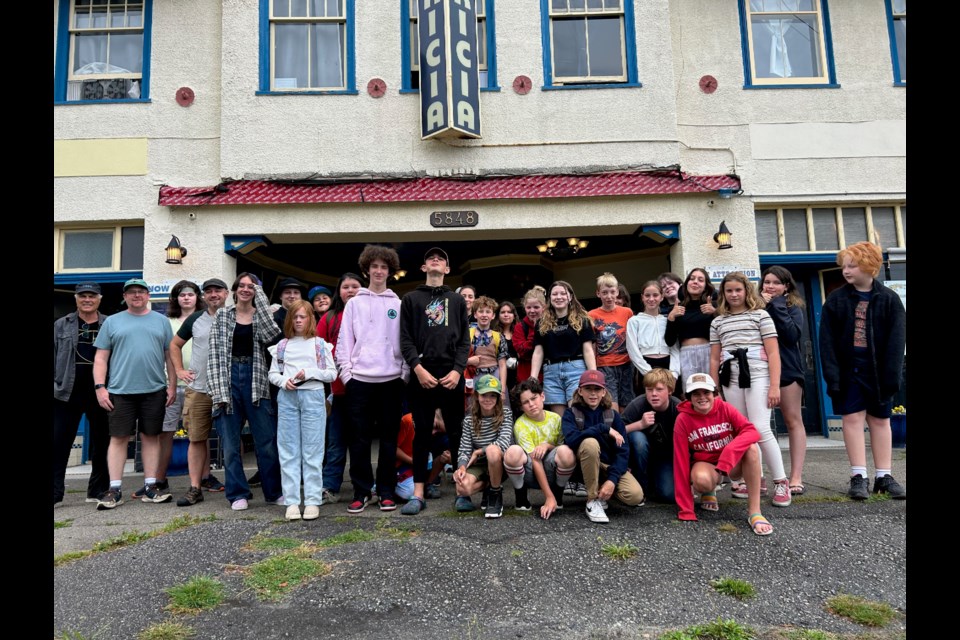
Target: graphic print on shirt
column 860, row 325
column 711, row 438
column 610, row 337
column 437, row 314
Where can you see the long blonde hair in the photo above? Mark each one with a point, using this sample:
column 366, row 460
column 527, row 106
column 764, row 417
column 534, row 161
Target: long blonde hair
column 476, row 414
column 752, row 300
column 576, row 315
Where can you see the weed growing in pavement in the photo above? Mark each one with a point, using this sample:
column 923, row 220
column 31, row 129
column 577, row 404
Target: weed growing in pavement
column 76, row 635
column 341, row 519
column 716, row 630
column 184, row 521
column 123, row 540
column 62, row 524
column 739, row 589
column 516, row 553
column 70, row 557
column 387, row 527
column 623, row 551
column 860, row 610
column 195, row 595
column 879, row 497
column 822, row 498
column 166, row 631
column 727, row 527
column 804, row 634
column 347, row 537
column 273, row 577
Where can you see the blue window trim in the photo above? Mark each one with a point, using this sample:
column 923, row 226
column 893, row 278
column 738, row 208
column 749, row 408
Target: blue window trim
column 894, row 53
column 405, row 48
column 264, row 89
column 630, row 43
column 63, row 58
column 95, row 276
column 826, row 258
column 827, row 47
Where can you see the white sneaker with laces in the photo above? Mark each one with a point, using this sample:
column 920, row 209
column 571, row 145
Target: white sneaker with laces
column 595, row 511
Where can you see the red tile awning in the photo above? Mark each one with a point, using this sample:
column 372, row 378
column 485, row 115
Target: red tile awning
column 624, row 183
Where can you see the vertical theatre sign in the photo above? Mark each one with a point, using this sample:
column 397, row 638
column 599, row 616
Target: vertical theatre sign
column 449, row 73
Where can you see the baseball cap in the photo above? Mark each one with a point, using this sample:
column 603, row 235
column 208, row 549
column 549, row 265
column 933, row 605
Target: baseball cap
column 699, row 381
column 213, row 282
column 593, row 377
column 135, row 282
column 436, row 251
column 488, row 384
column 317, row 290
column 87, row 287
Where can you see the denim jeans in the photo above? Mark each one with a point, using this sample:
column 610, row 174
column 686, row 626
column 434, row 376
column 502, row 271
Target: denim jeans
column 301, row 423
column 561, row 379
column 263, row 428
column 653, row 467
column 335, row 459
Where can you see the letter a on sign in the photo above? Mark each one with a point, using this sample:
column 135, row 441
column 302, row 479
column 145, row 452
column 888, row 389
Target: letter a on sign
column 449, row 70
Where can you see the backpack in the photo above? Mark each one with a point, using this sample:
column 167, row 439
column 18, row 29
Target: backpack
column 318, row 344
column 579, row 417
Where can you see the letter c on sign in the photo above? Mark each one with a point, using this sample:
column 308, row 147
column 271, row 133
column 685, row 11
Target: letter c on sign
column 432, row 58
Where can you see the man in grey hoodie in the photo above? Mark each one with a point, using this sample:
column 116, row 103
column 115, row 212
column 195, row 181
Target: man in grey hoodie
column 373, row 372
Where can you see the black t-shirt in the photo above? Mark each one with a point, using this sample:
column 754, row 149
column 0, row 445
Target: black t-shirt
column 563, row 343
column 242, row 340
column 87, row 335
column 665, row 419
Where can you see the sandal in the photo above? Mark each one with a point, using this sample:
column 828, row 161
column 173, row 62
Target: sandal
column 756, row 520
column 797, row 489
column 708, row 502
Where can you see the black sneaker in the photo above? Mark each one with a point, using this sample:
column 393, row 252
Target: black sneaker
column 112, row 498
column 162, row 485
column 558, row 495
column 523, row 503
column 153, row 493
column 859, row 488
column 210, row 483
column 194, row 495
column 485, row 499
column 254, row 480
column 494, row 507
column 891, row 487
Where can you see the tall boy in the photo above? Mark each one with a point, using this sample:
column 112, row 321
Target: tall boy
column 862, row 343
column 373, row 373
column 610, row 327
column 434, row 342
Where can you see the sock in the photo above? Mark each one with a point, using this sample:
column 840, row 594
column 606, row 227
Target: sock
column 563, row 476
column 496, row 489
column 858, row 471
column 115, row 484
column 515, row 474
column 149, row 481
column 882, row 472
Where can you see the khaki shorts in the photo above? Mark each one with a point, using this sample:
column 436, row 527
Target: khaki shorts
column 197, row 415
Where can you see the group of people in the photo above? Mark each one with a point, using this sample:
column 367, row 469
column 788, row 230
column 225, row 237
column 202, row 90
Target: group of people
column 604, row 404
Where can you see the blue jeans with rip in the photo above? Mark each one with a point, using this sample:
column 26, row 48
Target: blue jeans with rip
column 301, row 423
column 263, row 429
column 653, row 467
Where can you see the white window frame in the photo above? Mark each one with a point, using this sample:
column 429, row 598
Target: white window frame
column 59, row 244
column 825, row 69
column 586, row 14
column 838, row 212
column 315, row 20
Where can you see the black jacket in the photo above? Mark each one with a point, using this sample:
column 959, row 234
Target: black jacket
column 886, row 339
column 789, row 324
column 433, row 329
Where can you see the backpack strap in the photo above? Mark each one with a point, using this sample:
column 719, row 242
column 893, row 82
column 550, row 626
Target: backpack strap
column 608, row 418
column 281, row 349
column 578, row 417
column 319, row 344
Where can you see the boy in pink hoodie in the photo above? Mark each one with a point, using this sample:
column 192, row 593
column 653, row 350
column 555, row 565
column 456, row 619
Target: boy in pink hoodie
column 373, row 373
column 710, row 439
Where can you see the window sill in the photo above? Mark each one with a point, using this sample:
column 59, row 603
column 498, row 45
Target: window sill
column 899, row 84
column 120, row 101
column 482, row 90
column 336, row 92
column 607, row 85
column 792, row 86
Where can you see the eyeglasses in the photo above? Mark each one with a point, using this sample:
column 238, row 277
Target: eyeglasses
column 135, row 292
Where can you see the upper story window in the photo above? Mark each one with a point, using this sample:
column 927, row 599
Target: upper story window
column 787, row 43
column 897, row 19
column 310, row 45
column 588, row 42
column 410, row 44
column 117, row 248
column 793, row 229
column 103, row 49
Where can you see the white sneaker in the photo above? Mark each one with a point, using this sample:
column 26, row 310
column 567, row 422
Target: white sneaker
column 603, row 503
column 595, row 512
column 311, row 512
column 293, row 512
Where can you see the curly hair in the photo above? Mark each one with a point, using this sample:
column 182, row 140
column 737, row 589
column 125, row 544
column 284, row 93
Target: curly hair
column 752, row 300
column 373, row 252
column 866, row 255
column 576, row 314
column 484, row 302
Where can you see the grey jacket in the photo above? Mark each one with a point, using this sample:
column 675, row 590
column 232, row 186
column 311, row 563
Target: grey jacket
column 65, row 340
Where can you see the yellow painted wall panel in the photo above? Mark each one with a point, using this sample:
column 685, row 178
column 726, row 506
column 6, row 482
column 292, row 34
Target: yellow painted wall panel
column 105, row 157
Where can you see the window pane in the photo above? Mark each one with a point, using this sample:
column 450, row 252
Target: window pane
column 559, row 5
column 899, row 6
column 117, row 18
column 605, row 47
column 900, row 31
column 482, row 45
column 334, row 9
column 126, row 52
column 612, row 4
column 767, row 232
column 576, row 5
column 89, row 49
column 825, row 229
column 131, row 248
column 781, row 5
column 595, row 5
column 134, row 18
column 903, row 223
column 82, row 20
column 290, row 56
column 88, row 250
column 795, row 229
column 298, row 8
column 281, row 8
column 854, row 225
column 570, row 48
column 327, row 67
column 786, row 47
column 884, row 227
column 99, row 17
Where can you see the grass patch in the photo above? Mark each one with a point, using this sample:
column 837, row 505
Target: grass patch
column 821, row 498
column 623, row 551
column 76, row 635
column 860, row 610
column 195, row 595
column 347, row 537
column 341, row 519
column 125, row 539
column 184, row 521
column 716, row 630
column 166, row 631
column 387, row 527
column 879, row 497
column 275, row 576
column 727, row 527
column 804, row 634
column 516, row 553
column 62, row 524
column 70, row 557
column 260, row 543
column 739, row 589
